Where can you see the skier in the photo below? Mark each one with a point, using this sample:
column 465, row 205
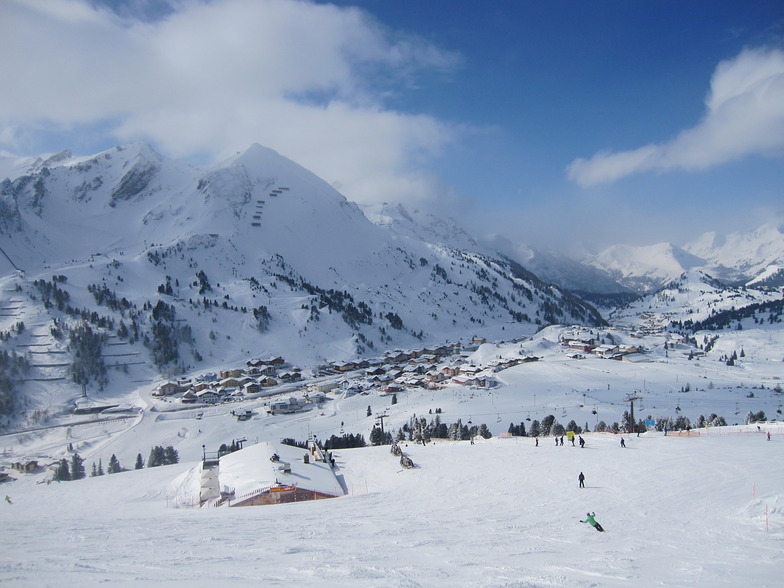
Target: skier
column 623, row 443
column 768, row 435
column 537, row 441
column 589, row 518
column 581, row 477
column 582, row 442
column 8, row 499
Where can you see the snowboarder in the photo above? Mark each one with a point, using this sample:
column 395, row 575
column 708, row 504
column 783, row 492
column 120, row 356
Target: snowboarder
column 537, row 441
column 582, row 442
column 581, row 477
column 768, row 435
column 589, row 518
column 623, row 443
column 8, row 499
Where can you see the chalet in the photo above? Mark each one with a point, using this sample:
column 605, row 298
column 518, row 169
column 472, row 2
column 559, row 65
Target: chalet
column 345, row 367
column 605, row 350
column 168, row 388
column 288, row 406
column 251, row 388
column 315, row 397
column 464, row 381
column 25, row 467
column 189, row 396
column 235, row 373
column 230, row 383
column 268, row 382
column 435, row 377
column 398, row 356
column 484, row 382
column 323, row 386
column 451, row 370
column 208, row 396
column 292, row 376
column 583, row 346
column 273, row 473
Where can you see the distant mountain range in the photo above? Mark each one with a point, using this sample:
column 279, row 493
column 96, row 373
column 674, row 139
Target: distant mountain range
column 735, row 259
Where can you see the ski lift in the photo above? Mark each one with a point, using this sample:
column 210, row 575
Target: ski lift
column 498, row 420
column 737, row 409
column 469, row 421
column 678, row 408
column 563, row 414
column 594, row 411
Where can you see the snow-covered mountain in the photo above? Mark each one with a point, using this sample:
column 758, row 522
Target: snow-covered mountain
column 737, row 258
column 557, row 268
column 181, row 268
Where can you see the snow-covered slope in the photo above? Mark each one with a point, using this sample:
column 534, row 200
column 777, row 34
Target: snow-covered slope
column 747, row 254
column 739, row 257
column 645, row 268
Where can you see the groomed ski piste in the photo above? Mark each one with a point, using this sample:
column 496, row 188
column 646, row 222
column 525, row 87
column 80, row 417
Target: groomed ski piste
column 677, row 511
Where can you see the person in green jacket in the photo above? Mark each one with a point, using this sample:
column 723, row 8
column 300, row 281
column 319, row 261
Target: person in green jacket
column 589, row 518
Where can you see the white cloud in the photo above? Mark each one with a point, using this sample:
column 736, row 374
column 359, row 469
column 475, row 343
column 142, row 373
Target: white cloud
column 744, row 116
column 213, row 77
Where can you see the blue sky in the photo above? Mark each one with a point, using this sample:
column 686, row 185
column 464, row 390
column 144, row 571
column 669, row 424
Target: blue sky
column 570, row 124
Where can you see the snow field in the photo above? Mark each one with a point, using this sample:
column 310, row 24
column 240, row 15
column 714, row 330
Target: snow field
column 502, row 512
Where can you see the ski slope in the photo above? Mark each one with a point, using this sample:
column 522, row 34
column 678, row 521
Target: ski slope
column 699, row 511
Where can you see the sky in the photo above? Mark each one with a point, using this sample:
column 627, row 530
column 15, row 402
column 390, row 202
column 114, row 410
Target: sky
column 563, row 124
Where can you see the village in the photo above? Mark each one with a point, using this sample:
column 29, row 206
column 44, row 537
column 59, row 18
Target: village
column 291, row 390
column 428, row 368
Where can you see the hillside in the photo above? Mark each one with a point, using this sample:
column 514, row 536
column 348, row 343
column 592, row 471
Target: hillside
column 144, row 267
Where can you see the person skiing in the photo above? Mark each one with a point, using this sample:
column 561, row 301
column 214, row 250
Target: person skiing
column 8, row 499
column 623, row 443
column 581, row 477
column 582, row 442
column 589, row 518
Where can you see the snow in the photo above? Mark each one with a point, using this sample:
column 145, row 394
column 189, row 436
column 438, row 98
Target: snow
column 698, row 511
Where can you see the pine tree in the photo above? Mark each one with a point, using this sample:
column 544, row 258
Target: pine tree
column 156, row 457
column 394, row 399
column 170, row 455
column 114, row 465
column 369, row 412
column 100, row 468
column 94, row 471
column 77, row 467
column 139, row 462
column 376, row 436
column 63, row 472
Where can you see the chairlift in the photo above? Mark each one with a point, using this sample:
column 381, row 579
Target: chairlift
column 563, row 414
column 594, row 411
column 498, row 420
column 737, row 408
column 678, row 408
